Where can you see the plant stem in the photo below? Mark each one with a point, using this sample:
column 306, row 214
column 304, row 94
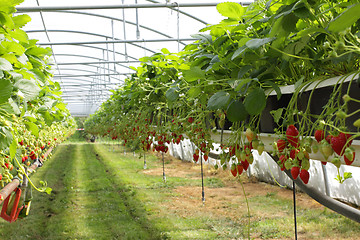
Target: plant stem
column 247, row 205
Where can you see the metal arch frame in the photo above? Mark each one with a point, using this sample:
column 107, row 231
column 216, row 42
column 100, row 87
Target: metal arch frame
column 175, row 6
column 155, row 4
column 118, row 19
column 89, row 75
column 118, row 41
column 92, row 34
column 102, row 49
column 90, row 84
column 91, row 57
column 85, row 70
column 81, row 80
column 92, row 64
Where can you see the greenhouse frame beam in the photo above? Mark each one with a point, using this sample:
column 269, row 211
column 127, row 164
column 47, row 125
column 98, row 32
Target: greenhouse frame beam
column 99, row 64
column 122, row 6
column 89, row 75
column 100, row 60
column 119, row 20
column 88, row 71
column 120, row 41
column 91, row 63
column 66, row 97
column 104, row 49
column 93, row 34
column 89, row 84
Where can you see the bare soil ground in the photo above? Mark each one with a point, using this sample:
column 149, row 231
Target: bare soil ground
column 189, row 198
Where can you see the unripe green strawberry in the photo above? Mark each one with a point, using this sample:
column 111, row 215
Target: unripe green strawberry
column 307, row 147
column 221, row 123
column 315, row 148
column 346, row 98
column 300, row 155
column 255, row 143
column 242, row 156
column 349, row 154
column 261, row 148
column 250, row 159
column 216, row 167
column 336, row 161
column 357, row 123
column 341, row 114
column 249, row 134
column 238, row 154
column 288, row 164
column 326, row 149
column 305, row 164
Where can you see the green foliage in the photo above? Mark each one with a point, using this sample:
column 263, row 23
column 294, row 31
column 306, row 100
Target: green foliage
column 224, row 78
column 31, row 109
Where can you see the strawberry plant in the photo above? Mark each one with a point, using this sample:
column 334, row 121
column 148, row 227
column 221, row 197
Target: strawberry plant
column 33, row 117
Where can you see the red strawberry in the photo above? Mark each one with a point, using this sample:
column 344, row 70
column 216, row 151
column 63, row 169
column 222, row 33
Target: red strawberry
column 282, row 160
column 233, row 170
column 190, row 120
column 21, row 143
column 304, row 175
column 196, row 157
column 240, row 168
column 206, row 157
column 348, row 161
column 281, row 144
column 295, row 172
column 249, row 134
column 292, row 135
column 319, row 135
column 323, row 163
column 0, row 180
column 245, row 164
column 338, row 143
column 294, row 153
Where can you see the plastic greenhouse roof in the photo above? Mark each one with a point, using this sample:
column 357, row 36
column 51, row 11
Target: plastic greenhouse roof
column 94, row 43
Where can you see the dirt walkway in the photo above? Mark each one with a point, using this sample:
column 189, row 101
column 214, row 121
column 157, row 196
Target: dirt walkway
column 218, row 199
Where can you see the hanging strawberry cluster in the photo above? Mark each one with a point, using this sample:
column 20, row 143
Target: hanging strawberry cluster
column 293, row 155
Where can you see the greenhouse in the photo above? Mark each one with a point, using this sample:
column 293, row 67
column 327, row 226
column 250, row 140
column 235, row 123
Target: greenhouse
column 188, row 119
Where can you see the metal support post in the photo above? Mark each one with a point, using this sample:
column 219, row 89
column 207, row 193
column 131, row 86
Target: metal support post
column 163, row 160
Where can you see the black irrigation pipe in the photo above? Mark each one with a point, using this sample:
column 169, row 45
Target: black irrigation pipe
column 294, row 201
column 335, row 205
column 145, row 161
column 202, row 181
column 164, row 177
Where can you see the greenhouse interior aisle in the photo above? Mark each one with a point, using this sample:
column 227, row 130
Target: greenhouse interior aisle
column 100, row 193
column 156, row 119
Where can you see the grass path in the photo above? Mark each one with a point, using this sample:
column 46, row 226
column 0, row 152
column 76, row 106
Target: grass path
column 86, row 203
column 102, row 194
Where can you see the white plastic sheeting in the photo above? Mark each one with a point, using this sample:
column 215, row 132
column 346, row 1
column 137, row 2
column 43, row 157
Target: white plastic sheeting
column 265, row 169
